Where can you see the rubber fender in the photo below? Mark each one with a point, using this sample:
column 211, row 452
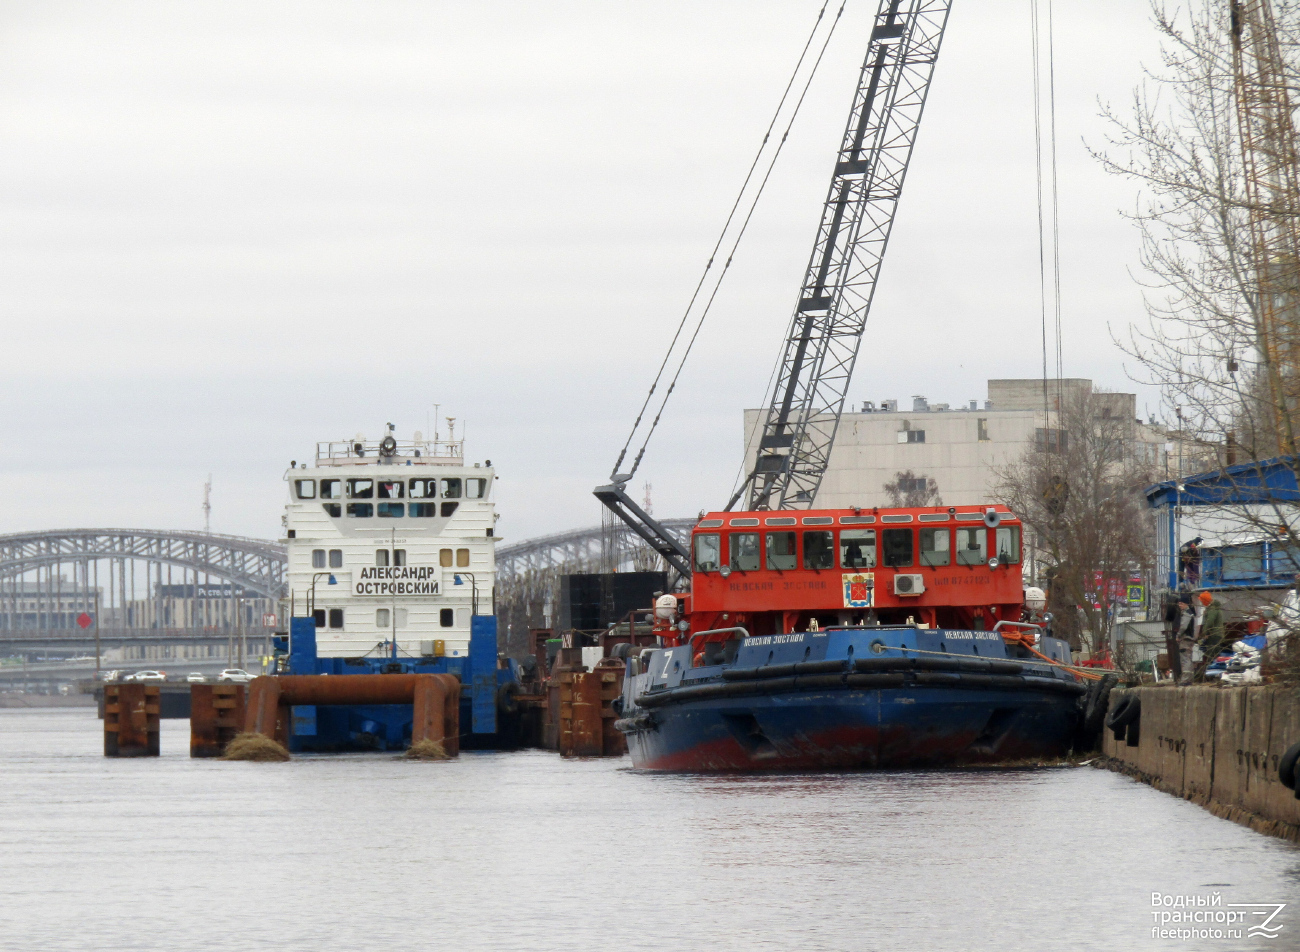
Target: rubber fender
column 1095, row 704
column 753, row 674
column 653, row 699
column 1286, row 766
column 508, row 698
column 868, row 682
column 946, row 678
column 820, row 667
column 1008, row 682
column 616, row 705
column 1131, row 737
column 820, row 682
column 1005, row 667
column 873, row 665
column 630, row 725
column 1126, row 711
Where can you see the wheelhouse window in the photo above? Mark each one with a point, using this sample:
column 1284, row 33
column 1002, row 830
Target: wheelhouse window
column 318, row 558
column 361, row 510
column 708, row 552
column 744, row 552
column 399, row 556
column 858, row 548
column 896, row 547
column 336, row 618
column 475, row 488
column 392, row 510
column 361, row 488
column 331, row 489
column 424, row 488
column 332, row 509
column 446, row 618
column 935, row 547
column 1009, row 545
column 462, row 558
column 449, row 509
column 391, row 489
column 423, row 510
column 319, row 616
column 781, row 551
column 971, row 547
column 382, row 618
column 381, row 558
column 818, row 550
column 336, row 558
column 305, row 488
column 451, row 489
column 444, row 558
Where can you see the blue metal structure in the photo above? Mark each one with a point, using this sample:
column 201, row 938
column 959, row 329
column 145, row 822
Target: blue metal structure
column 388, row 726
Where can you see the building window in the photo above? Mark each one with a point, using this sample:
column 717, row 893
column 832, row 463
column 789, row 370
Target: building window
column 858, row 548
column 381, row 557
column 451, row 489
column 336, row 558
column 444, row 558
column 818, row 550
column 911, row 436
column 744, row 551
column 306, row 488
column 1051, row 440
column 934, row 547
column 336, row 618
column 319, row 616
column 361, row 510
column 896, row 547
column 982, row 425
column 780, row 551
column 382, row 618
column 449, row 509
column 318, row 558
column 462, row 558
column 911, row 486
column 446, row 618
column 392, row 510
column 331, row 489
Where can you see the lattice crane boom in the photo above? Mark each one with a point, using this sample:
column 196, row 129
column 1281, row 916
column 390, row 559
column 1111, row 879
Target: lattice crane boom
column 798, row 427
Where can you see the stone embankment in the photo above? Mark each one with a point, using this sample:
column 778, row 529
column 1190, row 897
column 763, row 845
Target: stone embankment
column 1218, row 747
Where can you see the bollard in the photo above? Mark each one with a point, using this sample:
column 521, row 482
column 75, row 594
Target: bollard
column 217, row 713
column 131, row 720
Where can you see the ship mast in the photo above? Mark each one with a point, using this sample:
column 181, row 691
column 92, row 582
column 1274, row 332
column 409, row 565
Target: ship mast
column 1272, row 180
column 798, row 427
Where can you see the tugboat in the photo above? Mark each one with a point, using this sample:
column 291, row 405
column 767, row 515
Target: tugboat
column 833, row 639
column 391, row 572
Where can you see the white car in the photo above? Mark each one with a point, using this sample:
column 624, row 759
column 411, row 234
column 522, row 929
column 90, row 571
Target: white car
column 235, row 674
column 196, row 677
column 147, row 676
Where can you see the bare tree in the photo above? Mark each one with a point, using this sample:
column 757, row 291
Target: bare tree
column 908, row 491
column 1079, row 492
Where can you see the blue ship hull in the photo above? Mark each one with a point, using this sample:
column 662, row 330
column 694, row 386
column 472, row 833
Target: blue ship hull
column 918, row 699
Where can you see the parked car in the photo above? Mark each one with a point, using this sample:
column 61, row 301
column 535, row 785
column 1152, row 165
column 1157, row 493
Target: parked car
column 147, row 676
column 114, row 675
column 235, row 674
column 196, row 677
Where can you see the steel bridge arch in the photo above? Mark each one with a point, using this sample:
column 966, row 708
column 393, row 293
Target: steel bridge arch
column 576, row 550
column 257, row 565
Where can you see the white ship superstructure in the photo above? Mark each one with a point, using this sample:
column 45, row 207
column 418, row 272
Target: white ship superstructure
column 391, row 543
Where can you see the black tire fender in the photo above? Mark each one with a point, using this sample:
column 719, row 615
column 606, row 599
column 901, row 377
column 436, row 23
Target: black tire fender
column 507, row 698
column 1125, row 712
column 1286, row 766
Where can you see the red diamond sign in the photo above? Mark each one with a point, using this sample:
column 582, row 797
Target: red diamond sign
column 84, row 620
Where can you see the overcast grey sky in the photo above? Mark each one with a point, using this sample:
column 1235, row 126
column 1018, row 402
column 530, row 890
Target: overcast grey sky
column 231, row 229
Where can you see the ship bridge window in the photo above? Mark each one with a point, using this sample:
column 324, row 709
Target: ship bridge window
column 392, row 510
column 336, row 558
column 933, row 517
column 462, row 558
column 1009, row 545
column 319, row 616
column 424, row 488
column 896, row 518
column 451, row 489
column 708, row 552
column 336, row 618
column 361, row 510
column 744, row 522
column 423, row 510
column 970, row 547
column 382, row 618
column 361, row 488
column 818, row 521
column 446, row 618
column 449, row 509
column 444, row 558
column 744, row 551
column 391, row 489
column 856, row 520
column 710, row 523
column 782, row 521
column 475, row 488
column 306, row 488
column 818, row 550
column 935, row 547
column 331, row 489
column 858, row 548
column 318, row 558
column 381, row 557
column 896, row 547
column 969, row 516
column 332, row 509
column 780, row 551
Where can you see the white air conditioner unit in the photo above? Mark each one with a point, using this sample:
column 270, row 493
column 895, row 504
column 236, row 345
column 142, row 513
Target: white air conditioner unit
column 909, row 584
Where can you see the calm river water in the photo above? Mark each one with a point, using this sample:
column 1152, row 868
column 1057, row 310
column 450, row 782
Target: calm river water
column 524, row 851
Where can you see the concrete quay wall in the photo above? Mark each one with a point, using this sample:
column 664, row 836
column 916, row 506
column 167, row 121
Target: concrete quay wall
column 1218, row 747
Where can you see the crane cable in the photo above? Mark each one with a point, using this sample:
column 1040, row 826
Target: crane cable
column 1037, row 22
column 722, row 237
